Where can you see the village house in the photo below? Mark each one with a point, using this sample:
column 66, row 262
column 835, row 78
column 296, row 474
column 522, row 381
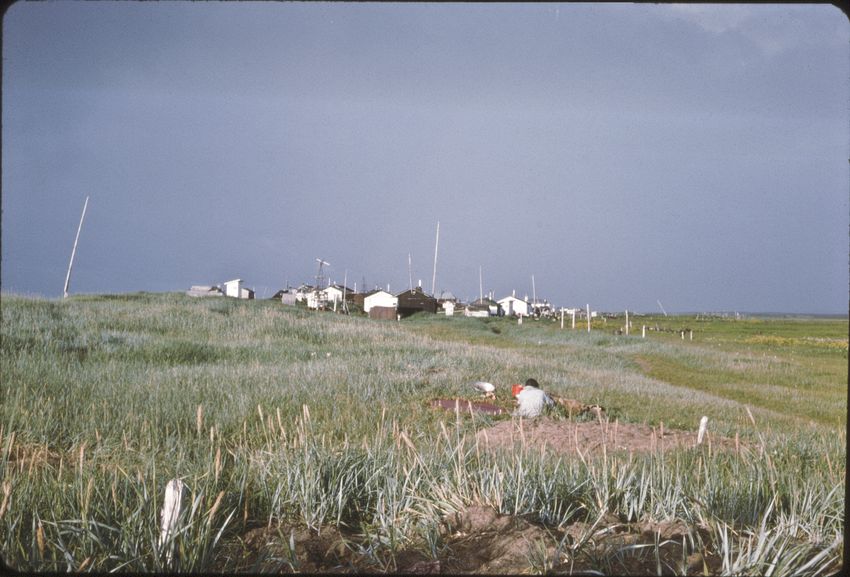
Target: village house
column 483, row 307
column 514, row 306
column 204, row 291
column 380, row 304
column 335, row 294
column 414, row 301
column 233, row 288
column 286, row 296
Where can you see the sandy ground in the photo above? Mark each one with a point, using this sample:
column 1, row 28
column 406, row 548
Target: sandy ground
column 566, row 436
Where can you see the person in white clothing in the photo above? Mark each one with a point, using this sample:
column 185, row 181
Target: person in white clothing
column 531, row 399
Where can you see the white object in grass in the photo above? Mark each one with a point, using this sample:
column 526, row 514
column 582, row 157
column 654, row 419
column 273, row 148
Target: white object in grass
column 170, row 513
column 489, row 389
column 703, row 427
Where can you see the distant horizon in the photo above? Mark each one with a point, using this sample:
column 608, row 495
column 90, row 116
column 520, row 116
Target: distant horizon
column 556, row 306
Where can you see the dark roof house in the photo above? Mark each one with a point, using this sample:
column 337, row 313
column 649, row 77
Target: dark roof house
column 414, row 301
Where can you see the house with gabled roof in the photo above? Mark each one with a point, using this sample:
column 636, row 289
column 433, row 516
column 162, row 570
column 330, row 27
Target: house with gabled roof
column 379, row 298
column 515, row 306
column 415, row 300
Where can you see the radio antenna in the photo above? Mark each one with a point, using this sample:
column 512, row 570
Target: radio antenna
column 74, row 250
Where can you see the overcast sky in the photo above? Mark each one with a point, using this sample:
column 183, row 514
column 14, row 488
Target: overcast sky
column 621, row 154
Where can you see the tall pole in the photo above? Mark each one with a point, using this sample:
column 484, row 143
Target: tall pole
column 533, row 290
column 588, row 318
column 434, row 276
column 74, row 250
column 409, row 272
column 480, row 285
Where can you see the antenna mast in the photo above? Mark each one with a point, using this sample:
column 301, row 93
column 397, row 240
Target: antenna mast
column 662, row 308
column 434, row 276
column 480, row 285
column 409, row 272
column 321, row 299
column 533, row 290
column 74, row 250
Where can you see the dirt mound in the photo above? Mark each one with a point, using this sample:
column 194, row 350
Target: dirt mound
column 478, row 540
column 580, row 437
column 467, row 406
column 289, row 549
column 482, row 541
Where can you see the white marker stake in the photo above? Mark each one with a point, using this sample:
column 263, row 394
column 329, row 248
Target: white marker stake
column 703, row 427
column 170, row 514
column 588, row 318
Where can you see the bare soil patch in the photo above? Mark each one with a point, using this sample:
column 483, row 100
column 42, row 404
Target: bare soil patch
column 467, row 406
column 565, row 436
column 479, row 540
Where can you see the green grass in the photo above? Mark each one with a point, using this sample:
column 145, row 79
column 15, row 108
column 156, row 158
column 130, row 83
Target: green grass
column 269, row 413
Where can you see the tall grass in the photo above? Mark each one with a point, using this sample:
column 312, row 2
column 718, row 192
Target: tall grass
column 270, row 414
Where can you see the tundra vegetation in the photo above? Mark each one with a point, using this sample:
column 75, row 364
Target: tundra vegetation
column 305, row 442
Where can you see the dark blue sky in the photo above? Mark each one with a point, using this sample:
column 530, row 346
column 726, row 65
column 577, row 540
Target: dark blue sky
column 622, row 154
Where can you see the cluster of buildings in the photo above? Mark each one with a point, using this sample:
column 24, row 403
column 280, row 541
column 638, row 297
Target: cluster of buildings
column 381, row 304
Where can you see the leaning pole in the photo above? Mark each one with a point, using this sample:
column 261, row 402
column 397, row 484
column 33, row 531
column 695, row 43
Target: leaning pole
column 74, row 250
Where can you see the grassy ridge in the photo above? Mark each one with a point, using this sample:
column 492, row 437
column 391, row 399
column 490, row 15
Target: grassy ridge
column 268, row 412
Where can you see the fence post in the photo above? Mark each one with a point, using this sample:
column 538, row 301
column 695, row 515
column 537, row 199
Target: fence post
column 588, row 318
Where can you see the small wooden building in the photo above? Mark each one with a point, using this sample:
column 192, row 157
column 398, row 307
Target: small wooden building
column 414, row 301
column 379, row 298
column 382, row 313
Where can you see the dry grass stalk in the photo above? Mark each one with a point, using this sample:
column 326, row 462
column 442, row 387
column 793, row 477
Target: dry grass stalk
column 215, row 506
column 199, row 419
column 217, row 468
column 7, row 490
column 84, row 564
column 39, row 538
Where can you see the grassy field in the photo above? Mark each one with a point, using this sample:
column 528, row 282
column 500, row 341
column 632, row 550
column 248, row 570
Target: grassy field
column 275, row 417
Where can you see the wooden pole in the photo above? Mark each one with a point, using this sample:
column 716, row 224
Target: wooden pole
column 434, row 276
column 574, row 318
column 643, row 331
column 74, row 250
column 562, row 318
column 627, row 321
column 588, row 318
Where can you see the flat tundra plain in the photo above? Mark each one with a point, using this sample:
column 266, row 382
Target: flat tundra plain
column 309, row 442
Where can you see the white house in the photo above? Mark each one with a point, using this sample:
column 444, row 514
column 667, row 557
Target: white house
column 515, row 306
column 336, row 292
column 379, row 298
column 233, row 288
column 449, row 308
